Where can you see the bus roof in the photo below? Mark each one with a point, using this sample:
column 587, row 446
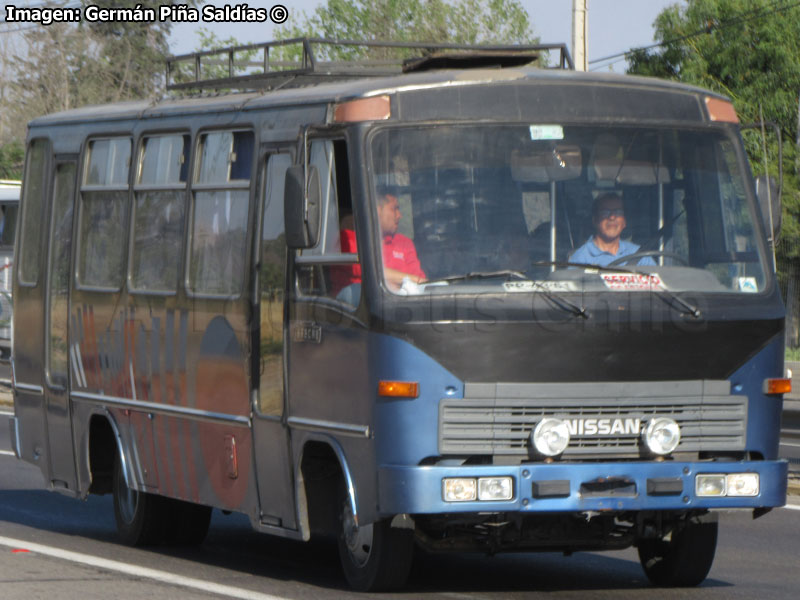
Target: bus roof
column 338, row 91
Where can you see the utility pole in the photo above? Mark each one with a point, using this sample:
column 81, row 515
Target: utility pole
column 580, row 34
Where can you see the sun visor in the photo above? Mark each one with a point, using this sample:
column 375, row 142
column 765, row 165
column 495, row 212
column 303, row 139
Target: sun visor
column 630, row 172
column 613, row 164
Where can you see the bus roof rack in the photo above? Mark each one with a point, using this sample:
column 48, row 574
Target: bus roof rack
column 304, row 61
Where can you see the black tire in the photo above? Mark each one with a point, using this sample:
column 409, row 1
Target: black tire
column 188, row 523
column 141, row 518
column 684, row 560
column 374, row 557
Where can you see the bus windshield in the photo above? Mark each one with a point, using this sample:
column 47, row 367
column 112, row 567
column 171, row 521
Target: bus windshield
column 463, row 208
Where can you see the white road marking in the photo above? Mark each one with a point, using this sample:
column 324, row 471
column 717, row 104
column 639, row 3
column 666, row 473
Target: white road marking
column 790, row 444
column 792, row 507
column 7, row 453
column 136, row 571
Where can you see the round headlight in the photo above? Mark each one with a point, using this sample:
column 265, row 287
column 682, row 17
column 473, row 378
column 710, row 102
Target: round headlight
column 551, row 437
column 662, row 435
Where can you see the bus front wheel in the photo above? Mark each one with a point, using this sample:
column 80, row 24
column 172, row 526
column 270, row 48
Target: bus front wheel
column 683, row 558
column 374, row 557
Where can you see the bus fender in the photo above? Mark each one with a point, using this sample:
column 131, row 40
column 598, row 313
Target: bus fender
column 86, row 463
column 301, row 485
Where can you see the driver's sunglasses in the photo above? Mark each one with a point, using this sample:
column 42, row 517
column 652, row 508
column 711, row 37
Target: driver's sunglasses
column 606, row 213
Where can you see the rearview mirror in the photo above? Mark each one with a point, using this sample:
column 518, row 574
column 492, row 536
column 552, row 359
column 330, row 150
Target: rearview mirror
column 301, row 207
column 556, row 163
column 769, row 198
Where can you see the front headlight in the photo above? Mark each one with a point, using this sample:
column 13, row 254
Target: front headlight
column 459, row 489
column 710, row 484
column 495, row 488
column 662, row 435
column 742, row 484
column 551, row 437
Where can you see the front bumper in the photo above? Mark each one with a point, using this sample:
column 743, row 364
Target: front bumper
column 579, row 487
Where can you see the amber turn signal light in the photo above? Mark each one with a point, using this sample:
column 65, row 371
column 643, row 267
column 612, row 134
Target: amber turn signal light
column 777, row 386
column 398, row 389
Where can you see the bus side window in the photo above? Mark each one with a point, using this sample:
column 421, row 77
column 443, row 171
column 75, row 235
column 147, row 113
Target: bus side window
column 104, row 195
column 159, row 207
column 337, row 231
column 219, row 213
column 32, row 212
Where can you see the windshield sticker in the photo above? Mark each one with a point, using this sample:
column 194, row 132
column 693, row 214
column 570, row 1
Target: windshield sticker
column 539, row 286
column 547, row 132
column 630, row 282
column 748, row 284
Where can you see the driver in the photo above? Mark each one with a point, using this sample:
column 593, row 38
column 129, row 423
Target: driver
column 605, row 246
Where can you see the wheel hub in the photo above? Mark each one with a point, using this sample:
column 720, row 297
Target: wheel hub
column 357, row 539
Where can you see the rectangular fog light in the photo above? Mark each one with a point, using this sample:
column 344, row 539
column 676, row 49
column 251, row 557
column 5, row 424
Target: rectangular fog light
column 742, row 484
column 710, row 485
column 495, row 488
column 459, row 489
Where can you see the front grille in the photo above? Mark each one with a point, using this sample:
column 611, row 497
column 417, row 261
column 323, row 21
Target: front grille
column 498, row 419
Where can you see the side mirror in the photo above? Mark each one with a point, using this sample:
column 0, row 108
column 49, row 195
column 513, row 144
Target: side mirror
column 301, row 207
column 769, row 199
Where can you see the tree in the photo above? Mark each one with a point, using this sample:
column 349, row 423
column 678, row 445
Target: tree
column 748, row 50
column 441, row 21
column 67, row 65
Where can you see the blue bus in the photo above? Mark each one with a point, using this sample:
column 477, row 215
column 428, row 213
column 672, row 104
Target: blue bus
column 478, row 305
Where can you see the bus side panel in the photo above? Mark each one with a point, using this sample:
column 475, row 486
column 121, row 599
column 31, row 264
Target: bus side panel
column 28, row 324
column 191, row 363
column 218, row 381
column 764, row 412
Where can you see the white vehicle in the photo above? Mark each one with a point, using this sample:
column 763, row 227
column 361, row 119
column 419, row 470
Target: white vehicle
column 9, row 203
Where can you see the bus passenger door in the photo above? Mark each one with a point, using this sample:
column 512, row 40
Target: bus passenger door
column 59, row 427
column 270, row 433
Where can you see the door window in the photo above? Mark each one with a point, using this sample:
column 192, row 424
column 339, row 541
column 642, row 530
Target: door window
column 272, row 279
column 59, row 274
column 32, row 216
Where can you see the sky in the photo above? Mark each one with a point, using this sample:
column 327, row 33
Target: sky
column 614, row 25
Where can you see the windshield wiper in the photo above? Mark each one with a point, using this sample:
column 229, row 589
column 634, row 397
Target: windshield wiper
column 507, row 273
column 688, row 307
column 562, row 303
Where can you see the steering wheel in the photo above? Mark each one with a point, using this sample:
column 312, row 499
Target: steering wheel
column 637, row 255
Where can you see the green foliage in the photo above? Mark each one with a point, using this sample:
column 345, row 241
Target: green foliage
column 67, row 65
column 440, row 21
column 12, row 156
column 748, row 50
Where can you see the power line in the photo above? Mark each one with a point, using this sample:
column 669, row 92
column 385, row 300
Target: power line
column 752, row 15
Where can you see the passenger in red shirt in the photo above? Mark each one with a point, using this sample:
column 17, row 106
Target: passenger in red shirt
column 399, row 254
